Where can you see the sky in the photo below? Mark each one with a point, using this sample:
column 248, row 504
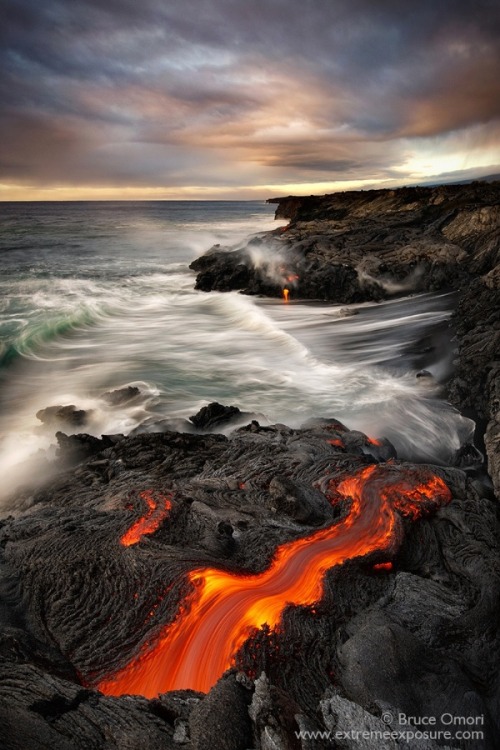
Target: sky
column 244, row 99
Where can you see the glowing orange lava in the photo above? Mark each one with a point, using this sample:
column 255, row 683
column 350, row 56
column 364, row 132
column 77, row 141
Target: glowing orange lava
column 286, row 294
column 337, row 442
column 159, row 507
column 374, row 441
column 383, row 566
column 224, row 608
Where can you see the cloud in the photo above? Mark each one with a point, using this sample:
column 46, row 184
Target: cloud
column 227, row 92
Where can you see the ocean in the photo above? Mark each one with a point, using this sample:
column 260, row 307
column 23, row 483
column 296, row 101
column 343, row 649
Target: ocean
column 97, row 296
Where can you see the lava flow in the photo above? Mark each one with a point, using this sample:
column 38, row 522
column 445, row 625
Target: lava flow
column 286, row 294
column 225, row 608
column 337, row 442
column 159, row 507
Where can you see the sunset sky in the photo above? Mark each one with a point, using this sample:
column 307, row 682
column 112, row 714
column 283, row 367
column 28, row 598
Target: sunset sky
column 128, row 99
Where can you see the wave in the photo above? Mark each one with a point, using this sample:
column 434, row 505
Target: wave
column 54, row 311
column 198, row 348
column 35, row 335
column 28, row 446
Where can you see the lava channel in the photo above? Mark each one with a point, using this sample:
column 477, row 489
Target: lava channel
column 225, row 608
column 158, row 508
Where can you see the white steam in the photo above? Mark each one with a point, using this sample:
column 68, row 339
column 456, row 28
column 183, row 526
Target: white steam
column 274, row 265
column 390, row 285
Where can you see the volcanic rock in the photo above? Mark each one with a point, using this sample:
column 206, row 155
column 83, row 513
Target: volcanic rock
column 58, row 415
column 210, row 418
column 221, row 271
column 216, row 415
column 78, row 605
column 75, row 448
column 343, row 718
column 475, row 385
column 121, row 395
column 208, row 720
column 38, row 710
column 368, row 245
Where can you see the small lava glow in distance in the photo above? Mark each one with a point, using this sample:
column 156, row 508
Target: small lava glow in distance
column 225, row 608
column 158, row 508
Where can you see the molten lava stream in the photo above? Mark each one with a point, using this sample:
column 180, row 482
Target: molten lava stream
column 158, row 509
column 219, row 615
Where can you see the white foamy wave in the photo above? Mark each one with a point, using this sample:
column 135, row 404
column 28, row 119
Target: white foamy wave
column 264, row 357
column 27, row 442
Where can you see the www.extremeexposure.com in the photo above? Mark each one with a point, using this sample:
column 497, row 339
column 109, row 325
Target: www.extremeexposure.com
column 410, row 728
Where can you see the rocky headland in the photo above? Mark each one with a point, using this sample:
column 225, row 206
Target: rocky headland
column 379, row 579
column 372, row 245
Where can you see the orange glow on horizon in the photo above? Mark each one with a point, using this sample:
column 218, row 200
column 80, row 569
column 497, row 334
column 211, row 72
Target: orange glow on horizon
column 225, row 608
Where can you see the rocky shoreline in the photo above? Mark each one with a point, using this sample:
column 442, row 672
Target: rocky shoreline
column 377, row 244
column 405, row 626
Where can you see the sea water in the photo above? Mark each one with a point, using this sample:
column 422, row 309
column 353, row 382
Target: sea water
column 96, row 296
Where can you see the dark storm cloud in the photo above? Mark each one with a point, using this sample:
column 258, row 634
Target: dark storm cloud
column 168, row 93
